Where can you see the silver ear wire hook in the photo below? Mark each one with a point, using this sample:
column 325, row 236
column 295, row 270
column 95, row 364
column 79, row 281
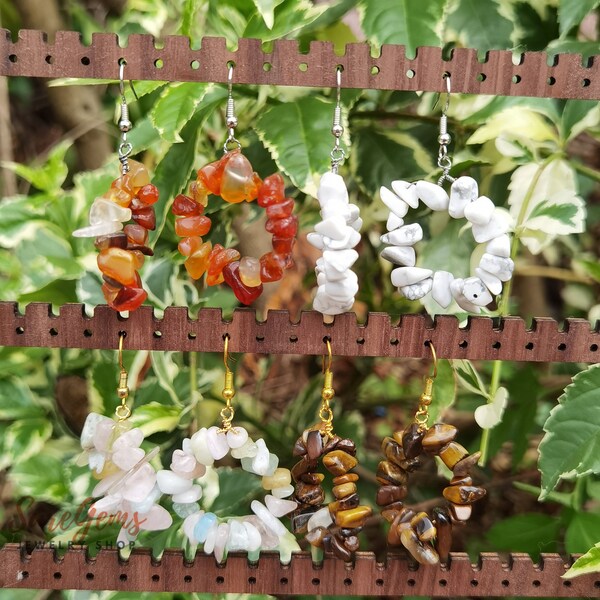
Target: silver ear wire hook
column 230, row 118
column 444, row 138
column 125, row 125
column 337, row 154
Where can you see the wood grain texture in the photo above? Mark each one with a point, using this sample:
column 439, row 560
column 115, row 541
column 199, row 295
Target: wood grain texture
column 517, row 575
column 482, row 338
column 500, row 72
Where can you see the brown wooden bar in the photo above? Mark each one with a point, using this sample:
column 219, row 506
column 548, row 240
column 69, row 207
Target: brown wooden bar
column 501, row 72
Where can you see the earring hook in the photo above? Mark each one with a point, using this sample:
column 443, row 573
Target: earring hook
column 435, row 359
column 327, row 393
column 122, row 411
column 444, row 138
column 337, row 129
column 125, row 125
column 230, row 118
column 228, row 392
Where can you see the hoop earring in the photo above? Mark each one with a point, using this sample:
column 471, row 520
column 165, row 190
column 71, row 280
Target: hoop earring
column 233, row 179
column 488, row 226
column 334, row 527
column 338, row 232
column 123, row 249
column 127, row 485
column 427, row 538
column 252, row 533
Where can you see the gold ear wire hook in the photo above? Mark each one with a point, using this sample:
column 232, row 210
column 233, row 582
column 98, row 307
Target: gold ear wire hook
column 228, row 392
column 422, row 414
column 327, row 393
column 122, row 411
column 435, row 359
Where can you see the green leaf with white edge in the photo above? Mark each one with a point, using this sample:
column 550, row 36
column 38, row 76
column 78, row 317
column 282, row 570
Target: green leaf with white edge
column 188, row 16
column 26, row 437
column 582, row 532
column 530, row 532
column 293, row 134
column 578, row 116
column 378, row 159
column 18, row 217
column 42, row 477
column 444, row 394
column 266, row 8
column 154, row 417
column 166, row 370
column 289, row 16
column 586, row 49
column 411, row 23
column 588, row 563
column 535, row 27
column 571, row 446
column 175, row 107
column 544, row 203
column 17, row 402
column 488, row 415
column 480, row 24
column 572, row 12
column 159, row 276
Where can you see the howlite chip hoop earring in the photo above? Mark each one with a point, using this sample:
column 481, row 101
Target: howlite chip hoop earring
column 427, row 538
column 338, row 231
column 123, row 248
column 488, row 225
column 219, row 535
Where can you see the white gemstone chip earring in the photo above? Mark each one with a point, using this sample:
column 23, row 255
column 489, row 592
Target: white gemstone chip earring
column 488, row 225
column 338, row 231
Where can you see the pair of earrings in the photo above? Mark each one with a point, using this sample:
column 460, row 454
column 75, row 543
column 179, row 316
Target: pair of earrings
column 131, row 488
column 123, row 247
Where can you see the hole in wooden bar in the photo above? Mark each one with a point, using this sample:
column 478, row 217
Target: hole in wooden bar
column 187, row 579
column 585, row 83
column 89, row 576
column 463, row 344
column 158, row 63
column 192, row 335
column 49, row 59
column 123, row 577
column 597, row 584
column 474, row 583
column 220, row 580
column 24, row 574
column 267, row 66
column 536, row 583
column 505, row 583
column 260, row 338
column 567, row 583
column 516, row 79
column 53, row 331
column 283, row 581
column 360, row 341
column 410, row 73
column 303, row 67
column 529, row 346
column 157, row 334
column 155, row 577
column 316, row 581
column 593, row 347
column 442, row 583
column 551, row 80
column 13, row 58
column 375, row 70
column 85, row 60
column 251, row 580
column 410, row 583
column 293, row 339
column 496, row 345
column 562, row 347
column 20, row 330
column 87, row 333
column 58, row 575
column 347, row 582
column 231, row 64
column 195, row 65
column 379, row 582
column 394, row 341
column 326, row 338
column 481, row 77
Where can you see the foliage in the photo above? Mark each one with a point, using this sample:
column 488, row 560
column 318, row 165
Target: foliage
column 529, row 156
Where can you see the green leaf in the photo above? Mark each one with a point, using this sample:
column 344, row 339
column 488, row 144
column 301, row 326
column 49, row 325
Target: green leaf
column 16, row 401
column 266, row 8
column 534, row 31
column 530, row 532
column 481, row 25
column 47, row 177
column 586, row 49
column 572, row 12
column 166, row 370
column 175, row 107
column 445, row 391
column 17, row 218
column 592, row 268
column 582, row 532
column 295, row 135
column 153, row 417
column 57, row 292
column 571, row 446
column 188, row 16
column 236, row 490
column 26, row 437
column 411, row 23
column 565, row 213
column 588, row 563
column 578, row 116
column 42, row 477
column 378, row 159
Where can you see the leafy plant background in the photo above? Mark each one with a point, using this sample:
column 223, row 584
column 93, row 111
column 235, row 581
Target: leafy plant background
column 538, row 158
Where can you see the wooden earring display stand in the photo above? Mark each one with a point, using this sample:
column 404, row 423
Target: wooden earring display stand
column 501, row 73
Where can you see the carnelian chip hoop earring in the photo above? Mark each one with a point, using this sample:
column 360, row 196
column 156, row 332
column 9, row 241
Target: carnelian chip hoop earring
column 427, row 538
column 234, row 180
column 123, row 248
column 333, row 527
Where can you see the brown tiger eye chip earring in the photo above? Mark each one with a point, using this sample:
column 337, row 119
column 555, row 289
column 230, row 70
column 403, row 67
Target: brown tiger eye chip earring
column 426, row 537
column 333, row 527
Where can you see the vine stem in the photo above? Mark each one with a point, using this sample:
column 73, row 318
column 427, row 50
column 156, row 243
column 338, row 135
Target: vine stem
column 587, row 171
column 504, row 305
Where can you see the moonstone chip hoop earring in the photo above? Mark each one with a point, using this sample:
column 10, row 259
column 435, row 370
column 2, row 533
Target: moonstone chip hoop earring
column 337, row 233
column 488, row 225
